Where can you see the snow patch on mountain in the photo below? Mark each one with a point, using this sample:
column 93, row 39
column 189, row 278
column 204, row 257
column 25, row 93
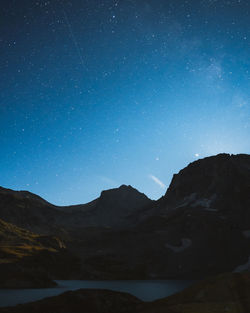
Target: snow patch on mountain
column 246, row 233
column 185, row 243
column 206, row 203
column 243, row 267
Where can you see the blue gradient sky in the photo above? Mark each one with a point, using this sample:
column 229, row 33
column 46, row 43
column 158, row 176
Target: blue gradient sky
column 95, row 94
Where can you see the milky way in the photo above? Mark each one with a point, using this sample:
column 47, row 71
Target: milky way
column 95, row 94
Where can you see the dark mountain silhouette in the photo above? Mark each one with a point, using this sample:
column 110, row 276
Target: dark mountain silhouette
column 30, row 211
column 27, row 210
column 219, row 183
column 33, row 244
column 199, row 228
column 114, row 208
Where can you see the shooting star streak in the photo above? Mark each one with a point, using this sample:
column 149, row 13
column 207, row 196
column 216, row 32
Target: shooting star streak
column 73, row 36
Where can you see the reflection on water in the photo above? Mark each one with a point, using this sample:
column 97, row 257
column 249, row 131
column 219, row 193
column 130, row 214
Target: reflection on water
column 147, row 290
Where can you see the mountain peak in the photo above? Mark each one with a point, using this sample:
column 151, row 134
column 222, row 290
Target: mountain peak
column 223, row 176
column 123, row 186
column 23, row 195
column 125, row 190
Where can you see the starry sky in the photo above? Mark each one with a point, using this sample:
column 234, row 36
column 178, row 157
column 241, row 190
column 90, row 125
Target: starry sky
column 99, row 93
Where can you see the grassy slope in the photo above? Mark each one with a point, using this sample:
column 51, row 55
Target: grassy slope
column 17, row 243
column 229, row 293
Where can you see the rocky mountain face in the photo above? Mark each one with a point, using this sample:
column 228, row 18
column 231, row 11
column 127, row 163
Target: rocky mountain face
column 114, row 208
column 199, row 228
column 219, row 183
column 207, row 214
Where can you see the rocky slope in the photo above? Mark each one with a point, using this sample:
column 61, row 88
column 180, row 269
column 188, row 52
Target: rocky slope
column 227, row 293
column 29, row 260
column 219, row 183
column 17, row 243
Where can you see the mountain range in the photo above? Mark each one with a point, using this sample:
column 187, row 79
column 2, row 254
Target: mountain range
column 199, row 228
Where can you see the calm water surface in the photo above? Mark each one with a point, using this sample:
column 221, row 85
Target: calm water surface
column 148, row 290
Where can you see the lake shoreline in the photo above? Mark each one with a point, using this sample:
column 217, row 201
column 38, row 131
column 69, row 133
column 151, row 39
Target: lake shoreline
column 223, row 293
column 146, row 290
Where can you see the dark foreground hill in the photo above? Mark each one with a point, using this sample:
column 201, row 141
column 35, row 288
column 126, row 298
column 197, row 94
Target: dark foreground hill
column 227, row 293
column 199, row 228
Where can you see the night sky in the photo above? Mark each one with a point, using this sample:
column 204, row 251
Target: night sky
column 99, row 93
